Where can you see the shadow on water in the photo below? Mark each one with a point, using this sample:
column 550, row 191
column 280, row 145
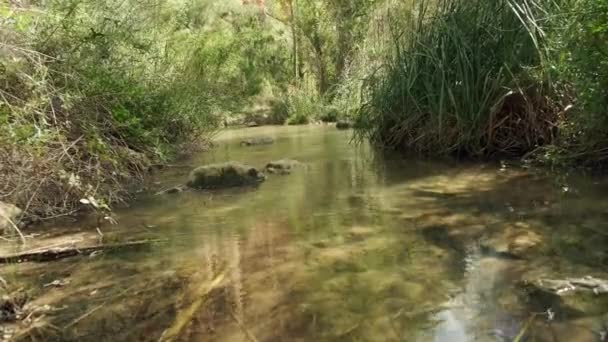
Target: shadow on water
column 359, row 247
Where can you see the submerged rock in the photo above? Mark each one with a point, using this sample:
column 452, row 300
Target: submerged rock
column 257, row 141
column 441, row 236
column 519, row 244
column 360, row 233
column 284, row 166
column 320, row 244
column 343, row 124
column 571, row 297
column 8, row 213
column 230, row 174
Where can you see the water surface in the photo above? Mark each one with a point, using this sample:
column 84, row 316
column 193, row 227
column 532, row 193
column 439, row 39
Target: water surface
column 360, row 246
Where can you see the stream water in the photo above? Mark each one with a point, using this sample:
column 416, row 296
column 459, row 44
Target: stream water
column 359, row 246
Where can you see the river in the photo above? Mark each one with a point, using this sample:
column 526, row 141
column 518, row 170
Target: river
column 362, row 245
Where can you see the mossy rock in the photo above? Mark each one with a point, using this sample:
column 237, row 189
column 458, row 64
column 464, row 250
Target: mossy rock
column 257, row 141
column 226, row 175
column 284, row 166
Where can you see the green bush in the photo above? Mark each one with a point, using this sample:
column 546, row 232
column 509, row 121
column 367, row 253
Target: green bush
column 279, row 110
column 579, row 59
column 303, row 108
column 330, row 113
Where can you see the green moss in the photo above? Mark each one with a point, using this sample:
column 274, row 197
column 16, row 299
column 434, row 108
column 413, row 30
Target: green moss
column 224, row 175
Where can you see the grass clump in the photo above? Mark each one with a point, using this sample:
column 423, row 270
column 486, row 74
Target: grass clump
column 300, row 107
column 485, row 78
column 463, row 79
column 303, row 108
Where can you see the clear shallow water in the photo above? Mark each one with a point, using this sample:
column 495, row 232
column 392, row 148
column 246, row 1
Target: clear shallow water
column 361, row 246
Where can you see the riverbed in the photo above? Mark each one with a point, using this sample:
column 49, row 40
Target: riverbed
column 361, row 245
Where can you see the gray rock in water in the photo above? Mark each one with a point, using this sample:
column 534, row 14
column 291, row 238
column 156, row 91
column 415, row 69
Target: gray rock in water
column 342, row 124
column 226, row 175
column 8, row 213
column 570, row 297
column 284, row 166
column 257, row 141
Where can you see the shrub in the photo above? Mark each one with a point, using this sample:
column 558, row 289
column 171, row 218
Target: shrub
column 330, row 113
column 579, row 59
column 303, row 108
column 279, row 110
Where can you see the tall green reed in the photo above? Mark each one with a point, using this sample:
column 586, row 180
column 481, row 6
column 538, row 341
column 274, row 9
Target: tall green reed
column 464, row 77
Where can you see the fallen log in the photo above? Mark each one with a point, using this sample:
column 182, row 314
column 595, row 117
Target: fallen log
column 56, row 253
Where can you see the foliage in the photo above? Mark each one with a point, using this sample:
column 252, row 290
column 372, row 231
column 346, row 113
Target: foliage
column 481, row 78
column 579, row 47
column 584, row 58
column 303, row 107
column 329, row 32
column 279, row 110
column 94, row 92
column 330, row 113
column 325, row 35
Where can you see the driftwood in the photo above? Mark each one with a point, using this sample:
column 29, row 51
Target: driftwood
column 56, row 253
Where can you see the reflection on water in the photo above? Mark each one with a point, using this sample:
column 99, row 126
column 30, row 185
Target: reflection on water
column 359, row 247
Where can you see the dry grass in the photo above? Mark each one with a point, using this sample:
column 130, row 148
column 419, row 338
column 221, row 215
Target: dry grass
column 46, row 159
